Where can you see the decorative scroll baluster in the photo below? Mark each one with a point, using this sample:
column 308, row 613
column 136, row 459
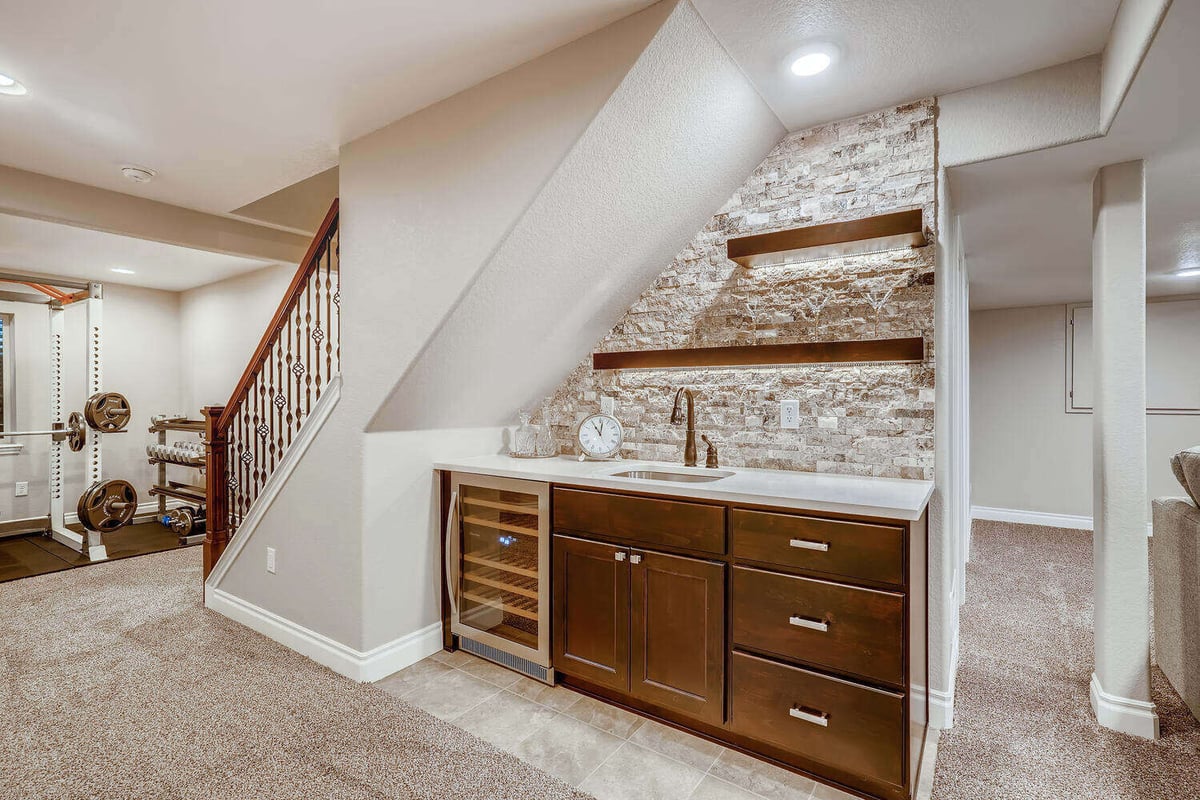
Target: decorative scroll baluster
column 248, row 438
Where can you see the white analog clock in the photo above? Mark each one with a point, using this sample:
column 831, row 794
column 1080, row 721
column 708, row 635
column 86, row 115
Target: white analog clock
column 600, row 436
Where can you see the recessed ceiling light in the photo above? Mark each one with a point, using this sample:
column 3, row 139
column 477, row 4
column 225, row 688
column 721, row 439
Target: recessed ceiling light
column 122, row 271
column 11, row 85
column 138, row 174
column 812, row 59
column 1187, row 272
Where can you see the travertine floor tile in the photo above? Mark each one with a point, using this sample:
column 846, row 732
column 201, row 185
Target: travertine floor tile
column 608, row 718
column 419, row 674
column 505, row 719
column 761, row 778
column 567, row 748
column 450, row 694
column 636, row 773
column 555, row 697
column 492, row 673
column 691, row 750
column 823, row 792
column 713, row 789
column 455, row 659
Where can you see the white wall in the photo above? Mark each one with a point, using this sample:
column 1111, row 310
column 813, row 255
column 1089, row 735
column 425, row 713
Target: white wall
column 1027, row 453
column 424, row 203
column 141, row 360
column 222, row 323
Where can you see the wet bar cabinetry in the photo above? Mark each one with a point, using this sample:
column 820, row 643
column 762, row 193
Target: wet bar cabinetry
column 780, row 614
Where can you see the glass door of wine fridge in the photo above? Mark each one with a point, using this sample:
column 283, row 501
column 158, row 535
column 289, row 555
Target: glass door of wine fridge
column 498, row 570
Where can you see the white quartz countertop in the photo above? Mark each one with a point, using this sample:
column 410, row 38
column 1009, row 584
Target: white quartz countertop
column 894, row 498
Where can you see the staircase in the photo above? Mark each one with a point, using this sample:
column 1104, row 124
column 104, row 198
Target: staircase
column 298, row 356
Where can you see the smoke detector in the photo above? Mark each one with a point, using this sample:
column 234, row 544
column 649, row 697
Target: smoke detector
column 138, row 174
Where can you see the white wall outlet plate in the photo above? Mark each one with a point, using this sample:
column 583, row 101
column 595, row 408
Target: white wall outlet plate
column 789, row 414
column 271, row 560
column 22, row 489
column 608, row 404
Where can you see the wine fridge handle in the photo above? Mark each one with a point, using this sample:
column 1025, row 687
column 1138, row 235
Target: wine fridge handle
column 451, row 533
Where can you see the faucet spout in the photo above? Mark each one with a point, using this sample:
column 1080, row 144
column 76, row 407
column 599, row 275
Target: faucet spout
column 689, row 447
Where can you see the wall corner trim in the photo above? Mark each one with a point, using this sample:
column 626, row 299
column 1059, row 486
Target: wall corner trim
column 279, row 478
column 1124, row 714
column 364, row 667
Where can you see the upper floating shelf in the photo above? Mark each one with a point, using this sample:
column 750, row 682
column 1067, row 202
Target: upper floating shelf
column 897, row 231
column 877, row 351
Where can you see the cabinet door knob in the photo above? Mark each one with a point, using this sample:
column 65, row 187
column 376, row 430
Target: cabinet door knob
column 635, row 559
column 619, row 555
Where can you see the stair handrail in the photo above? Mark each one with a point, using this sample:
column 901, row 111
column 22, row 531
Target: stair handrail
column 227, row 498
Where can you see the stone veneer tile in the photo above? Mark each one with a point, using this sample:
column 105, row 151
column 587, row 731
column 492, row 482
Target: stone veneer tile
column 860, row 419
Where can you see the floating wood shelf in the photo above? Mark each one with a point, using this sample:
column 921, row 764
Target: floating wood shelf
column 900, row 230
column 864, row 351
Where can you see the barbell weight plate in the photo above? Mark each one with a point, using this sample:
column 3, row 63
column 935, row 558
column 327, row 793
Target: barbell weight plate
column 107, row 506
column 77, row 432
column 185, row 523
column 107, row 412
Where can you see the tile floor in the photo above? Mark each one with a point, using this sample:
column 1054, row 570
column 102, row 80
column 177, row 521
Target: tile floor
column 605, row 751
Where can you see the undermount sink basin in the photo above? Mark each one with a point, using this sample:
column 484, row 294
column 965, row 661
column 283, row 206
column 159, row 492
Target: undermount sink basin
column 671, row 475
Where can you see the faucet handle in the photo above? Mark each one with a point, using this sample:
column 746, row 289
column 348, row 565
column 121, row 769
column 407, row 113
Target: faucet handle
column 710, row 460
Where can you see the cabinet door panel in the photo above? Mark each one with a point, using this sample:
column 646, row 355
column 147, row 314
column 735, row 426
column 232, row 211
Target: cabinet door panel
column 678, row 627
column 591, row 611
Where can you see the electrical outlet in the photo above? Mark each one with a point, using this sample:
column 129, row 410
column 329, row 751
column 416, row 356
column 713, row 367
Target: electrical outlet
column 22, row 489
column 271, row 560
column 789, row 414
column 608, row 404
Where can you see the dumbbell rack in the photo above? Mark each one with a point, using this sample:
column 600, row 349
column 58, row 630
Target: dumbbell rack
column 178, row 490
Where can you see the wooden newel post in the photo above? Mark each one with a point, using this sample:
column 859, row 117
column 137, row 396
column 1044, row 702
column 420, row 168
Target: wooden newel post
column 216, row 487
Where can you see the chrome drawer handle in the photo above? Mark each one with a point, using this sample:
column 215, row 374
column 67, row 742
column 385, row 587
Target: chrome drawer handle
column 813, row 624
column 805, row 544
column 816, row 718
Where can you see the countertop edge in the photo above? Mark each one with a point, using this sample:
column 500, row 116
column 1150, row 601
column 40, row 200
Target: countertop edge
column 700, row 492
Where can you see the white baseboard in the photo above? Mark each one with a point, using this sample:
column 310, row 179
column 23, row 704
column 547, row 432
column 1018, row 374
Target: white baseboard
column 941, row 703
column 1045, row 518
column 364, row 667
column 1124, row 714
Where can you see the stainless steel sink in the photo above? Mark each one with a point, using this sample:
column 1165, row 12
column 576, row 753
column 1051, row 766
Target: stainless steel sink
column 671, row 475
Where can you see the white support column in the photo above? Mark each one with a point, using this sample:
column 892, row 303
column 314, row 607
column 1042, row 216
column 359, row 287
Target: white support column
column 1120, row 690
column 56, row 414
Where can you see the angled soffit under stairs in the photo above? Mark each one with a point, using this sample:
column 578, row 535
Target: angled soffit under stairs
column 679, row 134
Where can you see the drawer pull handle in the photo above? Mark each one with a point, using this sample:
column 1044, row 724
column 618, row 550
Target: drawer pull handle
column 813, row 624
column 815, row 717
column 805, row 544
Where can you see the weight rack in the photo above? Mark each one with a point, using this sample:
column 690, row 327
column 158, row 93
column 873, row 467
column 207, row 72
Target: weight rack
column 177, row 490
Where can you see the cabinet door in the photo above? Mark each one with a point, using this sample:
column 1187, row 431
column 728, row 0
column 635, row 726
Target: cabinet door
column 591, row 611
column 678, row 626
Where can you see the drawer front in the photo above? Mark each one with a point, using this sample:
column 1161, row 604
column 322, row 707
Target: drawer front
column 848, row 726
column 836, row 547
column 860, row 631
column 647, row 520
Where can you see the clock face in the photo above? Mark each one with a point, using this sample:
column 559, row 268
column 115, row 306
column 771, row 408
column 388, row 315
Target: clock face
column 600, row 435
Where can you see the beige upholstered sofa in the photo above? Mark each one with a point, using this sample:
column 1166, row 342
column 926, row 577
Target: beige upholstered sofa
column 1175, row 563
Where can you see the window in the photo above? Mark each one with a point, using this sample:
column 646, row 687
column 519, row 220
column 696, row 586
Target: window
column 1172, row 372
column 8, row 445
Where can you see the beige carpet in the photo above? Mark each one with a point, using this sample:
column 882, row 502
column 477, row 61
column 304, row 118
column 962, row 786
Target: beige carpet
column 1023, row 726
column 118, row 684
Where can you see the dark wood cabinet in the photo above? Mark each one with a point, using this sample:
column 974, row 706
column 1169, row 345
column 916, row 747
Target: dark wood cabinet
column 678, row 633
column 591, row 611
column 641, row 622
column 796, row 636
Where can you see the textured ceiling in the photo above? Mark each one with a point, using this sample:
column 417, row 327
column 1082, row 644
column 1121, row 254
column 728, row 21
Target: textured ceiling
column 897, row 50
column 232, row 100
column 30, row 245
column 1026, row 219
